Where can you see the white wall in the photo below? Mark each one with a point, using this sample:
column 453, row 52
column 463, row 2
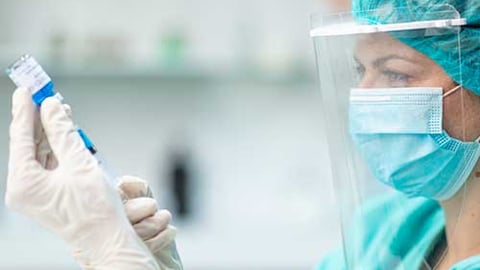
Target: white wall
column 218, row 33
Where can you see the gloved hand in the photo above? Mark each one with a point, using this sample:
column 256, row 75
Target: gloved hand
column 151, row 224
column 43, row 153
column 72, row 198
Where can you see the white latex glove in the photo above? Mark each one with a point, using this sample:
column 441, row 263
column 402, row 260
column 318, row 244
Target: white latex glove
column 151, row 224
column 44, row 154
column 74, row 199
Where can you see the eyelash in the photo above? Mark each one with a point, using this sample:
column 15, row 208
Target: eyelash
column 396, row 76
column 392, row 76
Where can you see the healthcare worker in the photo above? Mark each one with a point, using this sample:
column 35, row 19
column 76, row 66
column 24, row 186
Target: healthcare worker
column 400, row 83
column 53, row 179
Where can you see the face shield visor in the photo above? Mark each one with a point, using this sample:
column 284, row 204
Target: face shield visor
column 398, row 130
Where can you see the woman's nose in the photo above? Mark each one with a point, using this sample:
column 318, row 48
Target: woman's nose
column 372, row 80
column 368, row 81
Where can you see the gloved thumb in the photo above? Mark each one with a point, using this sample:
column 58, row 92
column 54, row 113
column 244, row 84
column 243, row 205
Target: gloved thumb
column 23, row 169
column 22, row 144
column 61, row 133
column 131, row 187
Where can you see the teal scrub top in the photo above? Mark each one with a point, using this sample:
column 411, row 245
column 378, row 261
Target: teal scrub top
column 419, row 226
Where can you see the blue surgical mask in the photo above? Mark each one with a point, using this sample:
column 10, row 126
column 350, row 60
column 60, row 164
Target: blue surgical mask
column 398, row 132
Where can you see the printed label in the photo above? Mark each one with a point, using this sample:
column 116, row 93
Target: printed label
column 30, row 75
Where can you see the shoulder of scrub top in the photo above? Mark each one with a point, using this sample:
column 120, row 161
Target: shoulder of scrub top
column 389, row 228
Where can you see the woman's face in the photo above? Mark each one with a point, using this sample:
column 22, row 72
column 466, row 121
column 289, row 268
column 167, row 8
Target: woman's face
column 383, row 61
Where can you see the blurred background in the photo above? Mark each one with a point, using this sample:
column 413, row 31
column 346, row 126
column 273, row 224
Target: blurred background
column 214, row 102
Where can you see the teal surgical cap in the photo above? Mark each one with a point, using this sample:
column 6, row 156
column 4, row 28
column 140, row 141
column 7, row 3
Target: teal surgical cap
column 443, row 49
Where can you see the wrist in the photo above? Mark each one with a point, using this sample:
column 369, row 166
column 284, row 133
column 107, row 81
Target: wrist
column 164, row 249
column 119, row 249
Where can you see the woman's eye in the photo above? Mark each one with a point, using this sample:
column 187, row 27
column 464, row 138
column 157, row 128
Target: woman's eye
column 396, row 76
column 360, row 71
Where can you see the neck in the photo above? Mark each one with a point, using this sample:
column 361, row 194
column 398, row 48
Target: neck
column 462, row 220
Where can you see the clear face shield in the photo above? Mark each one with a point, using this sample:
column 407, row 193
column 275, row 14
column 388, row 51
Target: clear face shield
column 398, row 131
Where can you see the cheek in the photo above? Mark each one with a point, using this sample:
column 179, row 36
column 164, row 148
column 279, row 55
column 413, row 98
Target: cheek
column 453, row 117
column 461, row 115
column 472, row 115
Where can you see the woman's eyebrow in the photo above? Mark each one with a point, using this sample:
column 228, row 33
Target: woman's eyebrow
column 381, row 61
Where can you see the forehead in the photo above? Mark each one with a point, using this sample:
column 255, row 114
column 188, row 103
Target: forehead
column 372, row 46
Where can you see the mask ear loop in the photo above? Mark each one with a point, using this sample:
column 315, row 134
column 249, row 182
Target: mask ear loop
column 451, row 91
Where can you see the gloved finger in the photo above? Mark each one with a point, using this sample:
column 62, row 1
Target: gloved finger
column 131, row 187
column 151, row 226
column 162, row 240
column 62, row 135
column 140, row 208
column 43, row 151
column 22, row 144
column 39, row 135
column 41, row 142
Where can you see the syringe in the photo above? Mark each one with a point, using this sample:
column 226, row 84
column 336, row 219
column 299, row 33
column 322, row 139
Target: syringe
column 27, row 73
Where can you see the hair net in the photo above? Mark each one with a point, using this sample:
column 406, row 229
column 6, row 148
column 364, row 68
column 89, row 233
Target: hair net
column 443, row 49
